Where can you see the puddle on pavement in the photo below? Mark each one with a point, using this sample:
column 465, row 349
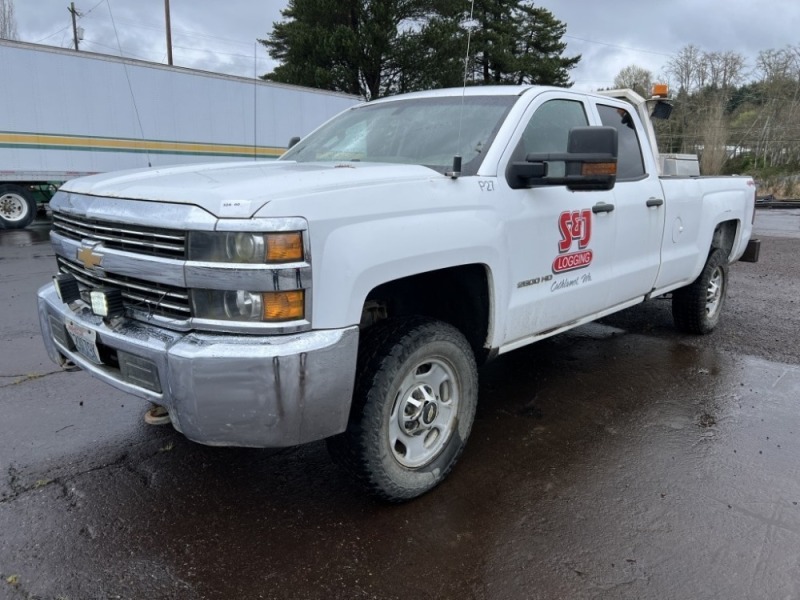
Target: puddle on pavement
column 601, row 465
column 36, row 233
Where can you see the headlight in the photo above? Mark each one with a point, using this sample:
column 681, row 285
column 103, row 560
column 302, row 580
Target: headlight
column 245, row 247
column 240, row 305
column 244, row 306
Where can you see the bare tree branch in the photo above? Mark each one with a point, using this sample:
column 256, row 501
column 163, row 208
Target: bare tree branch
column 8, row 23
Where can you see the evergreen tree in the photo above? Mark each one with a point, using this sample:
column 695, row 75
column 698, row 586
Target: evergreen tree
column 517, row 42
column 375, row 48
column 361, row 47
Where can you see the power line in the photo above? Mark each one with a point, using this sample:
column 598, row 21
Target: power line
column 249, row 58
column 618, row 46
column 138, row 24
column 119, row 51
column 127, row 76
column 91, row 9
column 127, row 54
column 181, row 31
column 52, row 34
column 189, row 33
column 47, row 37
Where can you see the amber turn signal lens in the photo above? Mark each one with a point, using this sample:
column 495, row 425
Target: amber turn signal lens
column 284, row 247
column 599, row 169
column 284, row 306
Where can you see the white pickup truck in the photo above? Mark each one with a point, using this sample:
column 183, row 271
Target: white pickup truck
column 350, row 289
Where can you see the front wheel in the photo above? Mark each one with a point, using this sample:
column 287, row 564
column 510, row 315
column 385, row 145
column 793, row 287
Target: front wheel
column 413, row 407
column 697, row 307
column 17, row 207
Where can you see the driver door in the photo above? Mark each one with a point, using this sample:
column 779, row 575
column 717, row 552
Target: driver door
column 561, row 243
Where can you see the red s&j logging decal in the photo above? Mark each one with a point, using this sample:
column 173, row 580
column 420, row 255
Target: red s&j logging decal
column 574, row 226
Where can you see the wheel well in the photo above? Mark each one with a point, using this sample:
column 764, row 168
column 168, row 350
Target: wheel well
column 456, row 295
column 724, row 237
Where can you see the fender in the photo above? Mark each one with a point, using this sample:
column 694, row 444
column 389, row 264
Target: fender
column 353, row 259
column 379, row 230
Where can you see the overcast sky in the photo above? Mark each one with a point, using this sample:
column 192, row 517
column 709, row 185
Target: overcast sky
column 610, row 35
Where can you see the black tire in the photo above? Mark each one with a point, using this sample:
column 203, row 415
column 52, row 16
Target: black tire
column 414, row 403
column 17, row 207
column 697, row 307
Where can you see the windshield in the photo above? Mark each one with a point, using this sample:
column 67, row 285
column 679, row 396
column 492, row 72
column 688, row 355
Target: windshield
column 417, row 131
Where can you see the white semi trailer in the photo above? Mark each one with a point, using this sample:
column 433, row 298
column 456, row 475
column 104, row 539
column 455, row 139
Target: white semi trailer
column 66, row 114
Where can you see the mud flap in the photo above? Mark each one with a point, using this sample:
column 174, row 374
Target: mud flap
column 752, row 251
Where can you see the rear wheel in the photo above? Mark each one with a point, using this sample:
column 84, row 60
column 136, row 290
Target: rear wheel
column 17, row 207
column 413, row 407
column 697, row 307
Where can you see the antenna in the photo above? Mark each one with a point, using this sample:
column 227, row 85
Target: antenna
column 455, row 173
column 130, row 87
column 255, row 100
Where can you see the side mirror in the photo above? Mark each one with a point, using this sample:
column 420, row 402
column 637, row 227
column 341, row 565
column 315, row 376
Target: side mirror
column 590, row 163
column 293, row 141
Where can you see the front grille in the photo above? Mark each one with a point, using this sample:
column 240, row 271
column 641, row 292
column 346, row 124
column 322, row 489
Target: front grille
column 137, row 294
column 152, row 241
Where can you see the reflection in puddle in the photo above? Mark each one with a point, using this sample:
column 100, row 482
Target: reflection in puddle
column 36, row 233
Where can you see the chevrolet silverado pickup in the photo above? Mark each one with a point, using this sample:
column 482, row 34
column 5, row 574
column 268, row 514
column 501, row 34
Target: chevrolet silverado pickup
column 350, row 289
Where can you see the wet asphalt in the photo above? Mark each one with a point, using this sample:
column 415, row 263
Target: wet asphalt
column 620, row 460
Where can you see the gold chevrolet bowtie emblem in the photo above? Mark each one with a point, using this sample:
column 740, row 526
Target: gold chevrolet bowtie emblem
column 89, row 257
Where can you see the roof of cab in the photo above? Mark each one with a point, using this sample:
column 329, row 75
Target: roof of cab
column 474, row 90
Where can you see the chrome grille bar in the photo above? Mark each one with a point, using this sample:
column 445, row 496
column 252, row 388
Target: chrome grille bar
column 137, row 294
column 166, row 243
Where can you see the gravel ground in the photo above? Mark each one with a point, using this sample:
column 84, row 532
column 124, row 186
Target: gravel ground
column 762, row 311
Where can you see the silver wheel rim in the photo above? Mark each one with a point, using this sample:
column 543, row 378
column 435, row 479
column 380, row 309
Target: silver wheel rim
column 714, row 292
column 13, row 207
column 424, row 412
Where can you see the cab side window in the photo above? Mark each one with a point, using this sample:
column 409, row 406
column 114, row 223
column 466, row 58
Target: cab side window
column 630, row 164
column 548, row 130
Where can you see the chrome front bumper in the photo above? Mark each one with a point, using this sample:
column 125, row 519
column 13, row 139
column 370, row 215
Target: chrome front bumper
column 227, row 390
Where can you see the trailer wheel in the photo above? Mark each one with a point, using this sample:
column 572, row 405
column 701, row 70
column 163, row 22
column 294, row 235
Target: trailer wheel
column 413, row 407
column 17, row 207
column 697, row 307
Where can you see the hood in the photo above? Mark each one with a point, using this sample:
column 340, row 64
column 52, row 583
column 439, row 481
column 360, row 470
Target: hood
column 239, row 190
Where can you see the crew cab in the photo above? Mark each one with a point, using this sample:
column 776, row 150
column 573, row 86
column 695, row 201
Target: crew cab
column 350, row 289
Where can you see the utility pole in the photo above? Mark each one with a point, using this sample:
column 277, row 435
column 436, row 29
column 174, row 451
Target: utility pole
column 74, row 13
column 169, row 33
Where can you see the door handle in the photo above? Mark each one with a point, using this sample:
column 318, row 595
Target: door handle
column 602, row 207
column 654, row 202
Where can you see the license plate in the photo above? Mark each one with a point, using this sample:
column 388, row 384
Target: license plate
column 85, row 341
